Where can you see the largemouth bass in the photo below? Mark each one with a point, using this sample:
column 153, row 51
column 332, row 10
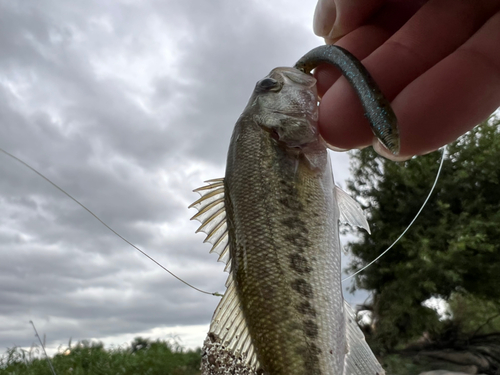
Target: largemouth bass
column 274, row 221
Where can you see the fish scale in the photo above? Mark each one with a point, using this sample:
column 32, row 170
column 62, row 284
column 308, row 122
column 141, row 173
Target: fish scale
column 277, row 230
column 286, row 281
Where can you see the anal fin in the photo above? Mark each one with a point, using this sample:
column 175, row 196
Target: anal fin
column 228, row 348
column 359, row 359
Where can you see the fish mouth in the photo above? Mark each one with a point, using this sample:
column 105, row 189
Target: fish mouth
column 293, row 76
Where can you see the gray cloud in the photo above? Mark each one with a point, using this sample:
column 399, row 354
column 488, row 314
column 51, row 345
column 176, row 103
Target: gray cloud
column 128, row 106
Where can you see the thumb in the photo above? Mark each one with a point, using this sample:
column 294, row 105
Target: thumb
column 335, row 18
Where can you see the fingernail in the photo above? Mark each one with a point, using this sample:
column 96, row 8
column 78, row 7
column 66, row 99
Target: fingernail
column 337, row 149
column 335, row 33
column 383, row 151
column 324, row 16
column 429, row 151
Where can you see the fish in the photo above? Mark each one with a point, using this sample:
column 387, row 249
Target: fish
column 273, row 219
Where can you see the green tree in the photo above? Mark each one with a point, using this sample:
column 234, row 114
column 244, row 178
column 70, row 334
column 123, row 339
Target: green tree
column 452, row 248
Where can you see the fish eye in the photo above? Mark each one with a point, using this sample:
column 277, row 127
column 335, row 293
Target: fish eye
column 269, row 84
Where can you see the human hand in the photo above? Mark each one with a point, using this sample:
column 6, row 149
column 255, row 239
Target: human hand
column 438, row 62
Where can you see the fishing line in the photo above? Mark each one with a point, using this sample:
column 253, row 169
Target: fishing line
column 408, row 227
column 185, row 282
column 43, row 348
column 106, row 225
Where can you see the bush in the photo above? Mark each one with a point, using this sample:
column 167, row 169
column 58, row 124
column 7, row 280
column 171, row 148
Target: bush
column 91, row 358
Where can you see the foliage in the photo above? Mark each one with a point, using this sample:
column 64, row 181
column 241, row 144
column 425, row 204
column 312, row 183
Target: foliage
column 398, row 365
column 143, row 357
column 474, row 315
column 453, row 248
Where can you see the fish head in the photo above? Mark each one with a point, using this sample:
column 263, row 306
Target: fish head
column 285, row 103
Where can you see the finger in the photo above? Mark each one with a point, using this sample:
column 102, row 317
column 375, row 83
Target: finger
column 453, row 96
column 333, row 19
column 405, row 56
column 367, row 38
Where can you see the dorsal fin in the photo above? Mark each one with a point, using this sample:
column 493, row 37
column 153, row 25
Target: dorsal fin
column 212, row 216
column 350, row 210
column 229, row 344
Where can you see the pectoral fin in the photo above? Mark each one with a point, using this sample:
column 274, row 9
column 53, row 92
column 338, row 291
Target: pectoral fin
column 350, row 210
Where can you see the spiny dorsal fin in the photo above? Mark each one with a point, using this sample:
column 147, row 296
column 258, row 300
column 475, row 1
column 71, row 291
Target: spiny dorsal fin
column 359, row 359
column 228, row 337
column 212, row 216
column 350, row 210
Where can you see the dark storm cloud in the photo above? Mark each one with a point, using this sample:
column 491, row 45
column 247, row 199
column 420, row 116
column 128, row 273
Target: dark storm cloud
column 128, row 106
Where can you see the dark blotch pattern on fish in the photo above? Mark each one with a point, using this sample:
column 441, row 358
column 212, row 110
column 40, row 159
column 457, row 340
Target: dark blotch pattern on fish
column 295, row 223
column 297, row 236
column 299, row 240
column 305, row 308
column 299, row 263
column 310, row 329
column 291, row 203
column 303, row 287
column 311, row 357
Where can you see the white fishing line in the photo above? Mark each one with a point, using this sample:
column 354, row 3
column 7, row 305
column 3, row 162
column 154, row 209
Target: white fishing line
column 185, row 282
column 106, row 225
column 43, row 348
column 408, row 227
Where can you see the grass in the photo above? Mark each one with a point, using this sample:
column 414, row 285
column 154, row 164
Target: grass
column 142, row 357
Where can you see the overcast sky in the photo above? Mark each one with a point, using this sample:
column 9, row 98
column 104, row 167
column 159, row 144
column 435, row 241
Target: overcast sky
column 129, row 106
